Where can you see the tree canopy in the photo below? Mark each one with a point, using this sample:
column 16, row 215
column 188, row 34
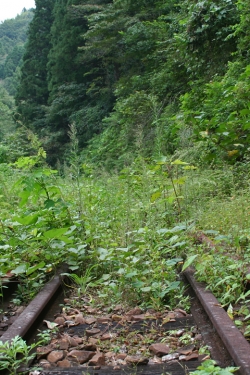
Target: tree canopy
column 135, row 76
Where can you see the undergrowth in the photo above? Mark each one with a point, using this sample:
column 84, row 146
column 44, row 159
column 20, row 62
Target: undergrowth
column 129, row 232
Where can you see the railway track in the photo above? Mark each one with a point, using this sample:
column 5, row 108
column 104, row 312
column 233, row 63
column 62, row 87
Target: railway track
column 208, row 321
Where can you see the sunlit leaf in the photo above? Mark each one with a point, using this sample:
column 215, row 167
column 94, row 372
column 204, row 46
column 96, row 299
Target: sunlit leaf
column 179, row 162
column 27, row 220
column 155, row 196
column 230, row 311
column 188, row 262
column 55, row 233
column 20, row 269
column 30, row 270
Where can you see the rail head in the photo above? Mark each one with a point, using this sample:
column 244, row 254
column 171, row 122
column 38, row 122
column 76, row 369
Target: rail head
column 237, row 346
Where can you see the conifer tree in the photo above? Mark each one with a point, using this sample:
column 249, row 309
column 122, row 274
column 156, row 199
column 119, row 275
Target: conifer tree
column 32, row 94
column 70, row 77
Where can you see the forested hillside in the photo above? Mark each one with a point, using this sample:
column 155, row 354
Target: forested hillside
column 138, row 78
column 13, row 36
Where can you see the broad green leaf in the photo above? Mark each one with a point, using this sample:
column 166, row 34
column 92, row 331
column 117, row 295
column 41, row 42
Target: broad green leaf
column 125, row 249
column 173, row 262
column 188, row 262
column 211, row 231
column 121, row 271
column 27, row 220
column 55, row 233
column 34, row 268
column 155, row 196
column 179, row 162
column 106, row 276
column 245, row 111
column 189, row 167
column 171, row 199
column 238, row 322
column 20, row 269
column 180, row 181
column 24, row 197
column 162, row 231
column 161, row 160
column 131, row 274
column 146, row 289
column 49, row 203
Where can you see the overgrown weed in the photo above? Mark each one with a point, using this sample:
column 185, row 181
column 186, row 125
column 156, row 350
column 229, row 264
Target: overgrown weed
column 132, row 226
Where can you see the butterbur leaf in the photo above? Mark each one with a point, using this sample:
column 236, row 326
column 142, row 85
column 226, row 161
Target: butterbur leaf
column 188, row 262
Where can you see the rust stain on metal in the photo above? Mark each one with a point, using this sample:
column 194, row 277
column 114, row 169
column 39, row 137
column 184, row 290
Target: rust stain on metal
column 29, row 316
column 236, row 344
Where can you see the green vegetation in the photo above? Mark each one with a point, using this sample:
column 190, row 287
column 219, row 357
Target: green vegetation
column 130, row 135
column 15, row 354
column 13, row 36
column 123, row 234
column 12, row 45
column 209, row 367
column 132, row 77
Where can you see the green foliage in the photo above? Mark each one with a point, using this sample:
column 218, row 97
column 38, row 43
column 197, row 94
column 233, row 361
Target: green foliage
column 32, row 93
column 219, row 116
column 6, row 112
column 117, row 70
column 120, row 84
column 14, row 354
column 13, row 36
column 122, row 235
column 83, row 282
column 109, row 227
column 12, row 61
column 209, row 367
column 16, row 28
column 207, row 31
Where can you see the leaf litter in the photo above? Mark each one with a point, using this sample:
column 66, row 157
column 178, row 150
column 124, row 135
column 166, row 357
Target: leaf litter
column 84, row 335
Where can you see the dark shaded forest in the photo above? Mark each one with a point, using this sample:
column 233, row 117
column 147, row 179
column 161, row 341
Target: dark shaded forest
column 135, row 78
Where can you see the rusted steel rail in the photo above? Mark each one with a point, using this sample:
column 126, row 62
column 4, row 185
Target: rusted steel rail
column 236, row 344
column 27, row 319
